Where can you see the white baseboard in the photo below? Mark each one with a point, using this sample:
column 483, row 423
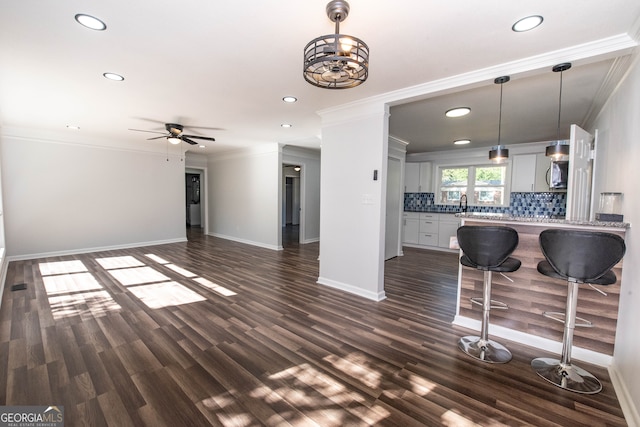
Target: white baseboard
column 379, row 296
column 631, row 413
column 247, row 242
column 96, row 249
column 312, row 240
column 545, row 344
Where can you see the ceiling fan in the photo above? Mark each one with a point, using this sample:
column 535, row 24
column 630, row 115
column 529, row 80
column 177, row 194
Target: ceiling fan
column 174, row 134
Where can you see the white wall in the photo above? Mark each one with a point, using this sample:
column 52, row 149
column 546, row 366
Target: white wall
column 618, row 127
column 354, row 144
column 309, row 160
column 243, row 188
column 69, row 198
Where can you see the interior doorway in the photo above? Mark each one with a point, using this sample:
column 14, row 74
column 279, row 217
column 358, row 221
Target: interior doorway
column 195, row 201
column 291, row 204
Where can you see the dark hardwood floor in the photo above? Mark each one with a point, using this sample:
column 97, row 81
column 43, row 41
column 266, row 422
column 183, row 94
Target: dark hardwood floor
column 213, row 332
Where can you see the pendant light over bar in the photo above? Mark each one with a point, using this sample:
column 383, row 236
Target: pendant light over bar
column 559, row 148
column 499, row 152
column 336, row 61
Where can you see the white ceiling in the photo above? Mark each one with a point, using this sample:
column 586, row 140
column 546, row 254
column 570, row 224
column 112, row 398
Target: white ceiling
column 226, row 66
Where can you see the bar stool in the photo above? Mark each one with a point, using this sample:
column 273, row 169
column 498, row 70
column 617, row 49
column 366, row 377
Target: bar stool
column 577, row 257
column 487, row 249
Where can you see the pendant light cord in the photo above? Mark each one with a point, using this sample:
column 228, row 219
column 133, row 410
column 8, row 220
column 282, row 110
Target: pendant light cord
column 500, row 116
column 559, row 107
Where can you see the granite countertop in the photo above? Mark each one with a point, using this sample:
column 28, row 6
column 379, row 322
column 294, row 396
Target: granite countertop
column 539, row 219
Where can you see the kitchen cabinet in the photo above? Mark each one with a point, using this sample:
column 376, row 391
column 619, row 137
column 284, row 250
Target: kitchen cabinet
column 411, row 227
column 429, row 230
column 529, row 173
column 448, row 227
column 417, row 177
column 523, row 173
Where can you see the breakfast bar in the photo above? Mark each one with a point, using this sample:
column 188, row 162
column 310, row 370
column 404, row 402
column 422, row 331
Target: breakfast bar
column 528, row 293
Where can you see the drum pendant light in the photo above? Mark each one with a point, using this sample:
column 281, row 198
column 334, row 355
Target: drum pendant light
column 559, row 148
column 499, row 153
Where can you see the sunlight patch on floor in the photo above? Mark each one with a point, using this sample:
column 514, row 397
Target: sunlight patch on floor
column 85, row 304
column 73, row 291
column 119, row 262
column 156, row 258
column 215, row 287
column 66, row 283
column 180, row 270
column 138, row 276
column 60, row 267
column 166, row 294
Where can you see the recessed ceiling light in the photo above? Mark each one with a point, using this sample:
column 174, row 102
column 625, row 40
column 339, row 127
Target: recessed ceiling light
column 286, row 125
column 289, row 99
column 458, row 112
column 201, row 146
column 90, row 22
column 114, row 76
column 73, row 127
column 528, row 23
column 462, row 142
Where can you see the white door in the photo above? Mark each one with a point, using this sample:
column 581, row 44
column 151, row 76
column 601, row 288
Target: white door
column 392, row 221
column 579, row 180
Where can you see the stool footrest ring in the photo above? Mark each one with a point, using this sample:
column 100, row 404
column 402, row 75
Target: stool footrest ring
column 560, row 317
column 494, row 304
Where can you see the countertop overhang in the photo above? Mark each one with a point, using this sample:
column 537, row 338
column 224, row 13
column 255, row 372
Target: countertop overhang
column 533, row 220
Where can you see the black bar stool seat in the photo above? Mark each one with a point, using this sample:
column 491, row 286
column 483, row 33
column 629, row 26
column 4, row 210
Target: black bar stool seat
column 577, row 257
column 487, row 249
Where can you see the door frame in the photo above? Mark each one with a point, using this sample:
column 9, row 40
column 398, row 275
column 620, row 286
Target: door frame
column 204, row 196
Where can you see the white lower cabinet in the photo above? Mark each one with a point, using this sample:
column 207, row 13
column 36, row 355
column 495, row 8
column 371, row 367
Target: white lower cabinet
column 429, row 229
column 448, row 227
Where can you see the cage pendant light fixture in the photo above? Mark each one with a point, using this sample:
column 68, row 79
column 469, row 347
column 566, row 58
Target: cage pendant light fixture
column 336, row 61
column 499, row 153
column 559, row 148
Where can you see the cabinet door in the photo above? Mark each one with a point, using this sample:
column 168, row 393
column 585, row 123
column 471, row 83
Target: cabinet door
column 411, row 230
column 417, row 177
column 425, row 177
column 523, row 173
column 448, row 228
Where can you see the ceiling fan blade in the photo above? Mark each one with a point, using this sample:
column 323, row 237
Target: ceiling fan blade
column 199, row 137
column 187, row 140
column 156, row 137
column 150, row 131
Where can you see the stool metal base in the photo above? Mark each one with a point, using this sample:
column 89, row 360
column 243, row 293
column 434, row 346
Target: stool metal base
column 566, row 376
column 485, row 350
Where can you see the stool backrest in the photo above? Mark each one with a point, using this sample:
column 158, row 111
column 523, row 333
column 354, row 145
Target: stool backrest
column 581, row 255
column 487, row 246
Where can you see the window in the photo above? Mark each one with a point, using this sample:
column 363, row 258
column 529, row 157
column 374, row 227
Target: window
column 484, row 185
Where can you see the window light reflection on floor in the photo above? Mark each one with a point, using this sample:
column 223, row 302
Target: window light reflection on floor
column 73, row 291
column 165, row 294
column 119, row 262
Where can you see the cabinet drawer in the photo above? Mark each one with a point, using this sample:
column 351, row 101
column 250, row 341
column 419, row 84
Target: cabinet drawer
column 429, row 226
column 411, row 215
column 428, row 239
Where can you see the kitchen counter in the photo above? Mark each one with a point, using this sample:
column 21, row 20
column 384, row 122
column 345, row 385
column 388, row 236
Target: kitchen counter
column 540, row 220
column 529, row 293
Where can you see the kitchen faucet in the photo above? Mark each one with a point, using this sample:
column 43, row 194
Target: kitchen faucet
column 463, row 208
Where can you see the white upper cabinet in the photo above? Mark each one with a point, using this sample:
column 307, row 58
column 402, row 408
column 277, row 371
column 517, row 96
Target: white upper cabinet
column 523, row 173
column 417, row 177
column 529, row 173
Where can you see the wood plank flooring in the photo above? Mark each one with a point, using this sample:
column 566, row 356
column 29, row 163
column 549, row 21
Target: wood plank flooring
column 213, row 332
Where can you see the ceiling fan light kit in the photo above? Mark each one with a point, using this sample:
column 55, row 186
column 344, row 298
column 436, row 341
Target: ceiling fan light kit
column 336, row 61
column 175, row 135
column 499, row 152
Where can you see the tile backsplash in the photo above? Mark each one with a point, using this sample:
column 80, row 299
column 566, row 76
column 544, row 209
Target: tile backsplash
column 521, row 204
